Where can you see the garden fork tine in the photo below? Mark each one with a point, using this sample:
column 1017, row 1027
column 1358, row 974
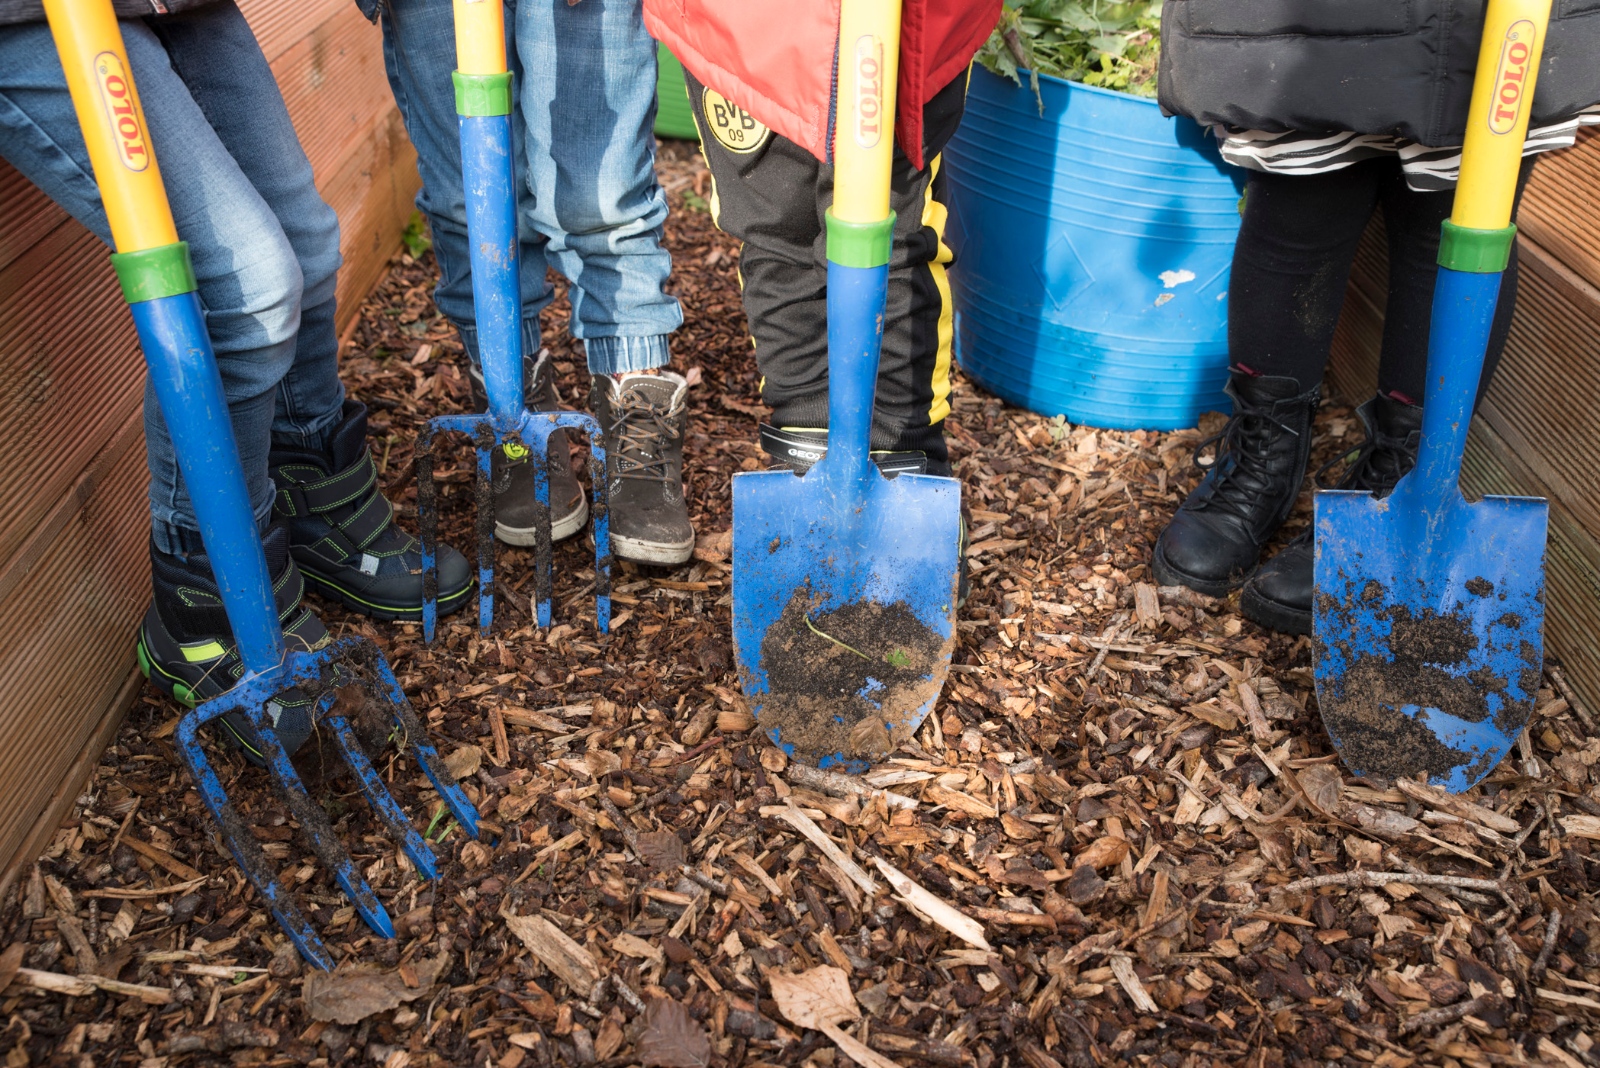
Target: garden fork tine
column 488, row 164
column 158, row 280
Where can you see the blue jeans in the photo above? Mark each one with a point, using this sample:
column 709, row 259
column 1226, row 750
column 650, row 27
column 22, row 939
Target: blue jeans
column 264, row 243
column 585, row 78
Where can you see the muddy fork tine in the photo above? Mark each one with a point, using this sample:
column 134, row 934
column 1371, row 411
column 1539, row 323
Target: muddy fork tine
column 485, row 444
column 246, row 852
column 542, row 548
column 381, row 800
column 602, row 531
column 314, row 821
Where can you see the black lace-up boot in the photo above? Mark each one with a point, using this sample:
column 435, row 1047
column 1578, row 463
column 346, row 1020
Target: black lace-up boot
column 186, row 648
column 1278, row 595
column 515, row 509
column 342, row 528
column 1214, row 541
column 641, row 417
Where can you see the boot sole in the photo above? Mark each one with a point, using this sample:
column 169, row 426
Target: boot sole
column 560, row 530
column 387, row 613
column 1167, row 575
column 652, row 552
column 1273, row 615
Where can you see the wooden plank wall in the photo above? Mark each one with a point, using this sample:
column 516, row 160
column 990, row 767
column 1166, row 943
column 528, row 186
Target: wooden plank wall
column 1536, row 432
column 74, row 573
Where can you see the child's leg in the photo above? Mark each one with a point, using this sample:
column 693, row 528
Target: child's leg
column 1290, row 265
column 587, row 98
column 773, row 195
column 1412, row 220
column 213, row 50
column 419, row 53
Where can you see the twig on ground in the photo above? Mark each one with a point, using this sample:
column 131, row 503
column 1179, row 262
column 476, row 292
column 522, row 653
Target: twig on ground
column 1448, row 1013
column 1542, row 963
column 1512, row 892
column 1574, row 702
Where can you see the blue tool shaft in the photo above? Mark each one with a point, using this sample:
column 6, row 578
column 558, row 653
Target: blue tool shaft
column 488, row 169
column 1458, row 339
column 188, row 387
column 856, row 302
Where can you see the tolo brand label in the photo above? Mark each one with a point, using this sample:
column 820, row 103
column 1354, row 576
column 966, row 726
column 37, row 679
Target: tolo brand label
column 116, row 94
column 869, row 90
column 734, row 128
column 1511, row 78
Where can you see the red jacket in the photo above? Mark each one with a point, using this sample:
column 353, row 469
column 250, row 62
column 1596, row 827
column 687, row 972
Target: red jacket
column 774, row 58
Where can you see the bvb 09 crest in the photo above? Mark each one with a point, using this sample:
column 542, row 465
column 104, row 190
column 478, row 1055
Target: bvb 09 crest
column 734, row 128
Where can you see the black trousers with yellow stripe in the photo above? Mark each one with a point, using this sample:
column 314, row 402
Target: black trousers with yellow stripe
column 772, row 195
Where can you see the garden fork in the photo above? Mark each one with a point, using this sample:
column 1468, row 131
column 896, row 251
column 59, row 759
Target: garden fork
column 488, row 166
column 158, row 281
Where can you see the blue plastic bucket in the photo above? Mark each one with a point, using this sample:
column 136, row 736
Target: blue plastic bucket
column 1092, row 254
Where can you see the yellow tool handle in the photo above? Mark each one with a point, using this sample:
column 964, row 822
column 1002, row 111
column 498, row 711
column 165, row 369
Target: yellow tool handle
column 480, row 37
column 863, row 148
column 1497, row 124
column 101, row 83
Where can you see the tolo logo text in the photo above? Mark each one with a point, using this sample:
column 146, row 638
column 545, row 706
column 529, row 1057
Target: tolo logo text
column 1511, row 79
column 116, row 94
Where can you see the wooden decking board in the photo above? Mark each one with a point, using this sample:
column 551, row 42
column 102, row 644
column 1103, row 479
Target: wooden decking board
column 70, row 378
column 1561, row 208
column 1572, row 558
column 29, row 216
column 67, row 635
column 334, row 85
column 278, row 26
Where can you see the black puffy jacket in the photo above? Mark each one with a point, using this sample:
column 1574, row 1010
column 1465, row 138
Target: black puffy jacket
column 33, row 10
column 1397, row 67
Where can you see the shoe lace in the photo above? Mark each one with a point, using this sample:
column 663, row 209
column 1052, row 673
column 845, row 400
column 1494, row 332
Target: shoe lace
column 1376, row 465
column 1243, row 444
column 641, row 430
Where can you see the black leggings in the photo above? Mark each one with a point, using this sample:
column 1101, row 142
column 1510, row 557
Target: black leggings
column 1296, row 245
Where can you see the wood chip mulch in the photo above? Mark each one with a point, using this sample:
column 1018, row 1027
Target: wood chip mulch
column 1121, row 837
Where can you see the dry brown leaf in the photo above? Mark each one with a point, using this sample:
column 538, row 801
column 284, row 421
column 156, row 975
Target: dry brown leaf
column 1323, row 785
column 464, row 762
column 661, row 850
column 670, row 1037
column 814, row 998
column 352, row 995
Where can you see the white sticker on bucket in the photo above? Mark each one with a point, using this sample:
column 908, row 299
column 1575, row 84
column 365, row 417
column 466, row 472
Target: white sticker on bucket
column 1163, row 298
column 1173, row 279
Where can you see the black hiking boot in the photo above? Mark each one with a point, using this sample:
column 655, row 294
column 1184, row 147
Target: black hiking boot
column 797, row 448
column 1215, row 539
column 1278, row 595
column 186, row 648
column 342, row 530
column 515, row 509
column 642, row 418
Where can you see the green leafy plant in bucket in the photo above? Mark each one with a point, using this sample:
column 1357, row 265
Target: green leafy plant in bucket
column 1096, row 42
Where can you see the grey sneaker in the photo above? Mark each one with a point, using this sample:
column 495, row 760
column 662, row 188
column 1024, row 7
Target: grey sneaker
column 515, row 510
column 641, row 417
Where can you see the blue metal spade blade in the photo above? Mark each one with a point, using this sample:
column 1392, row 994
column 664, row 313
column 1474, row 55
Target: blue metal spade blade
column 1429, row 611
column 844, row 582
column 488, row 167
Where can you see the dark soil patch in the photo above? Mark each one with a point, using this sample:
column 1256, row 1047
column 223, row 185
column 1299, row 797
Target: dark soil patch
column 850, row 680
column 1364, row 714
